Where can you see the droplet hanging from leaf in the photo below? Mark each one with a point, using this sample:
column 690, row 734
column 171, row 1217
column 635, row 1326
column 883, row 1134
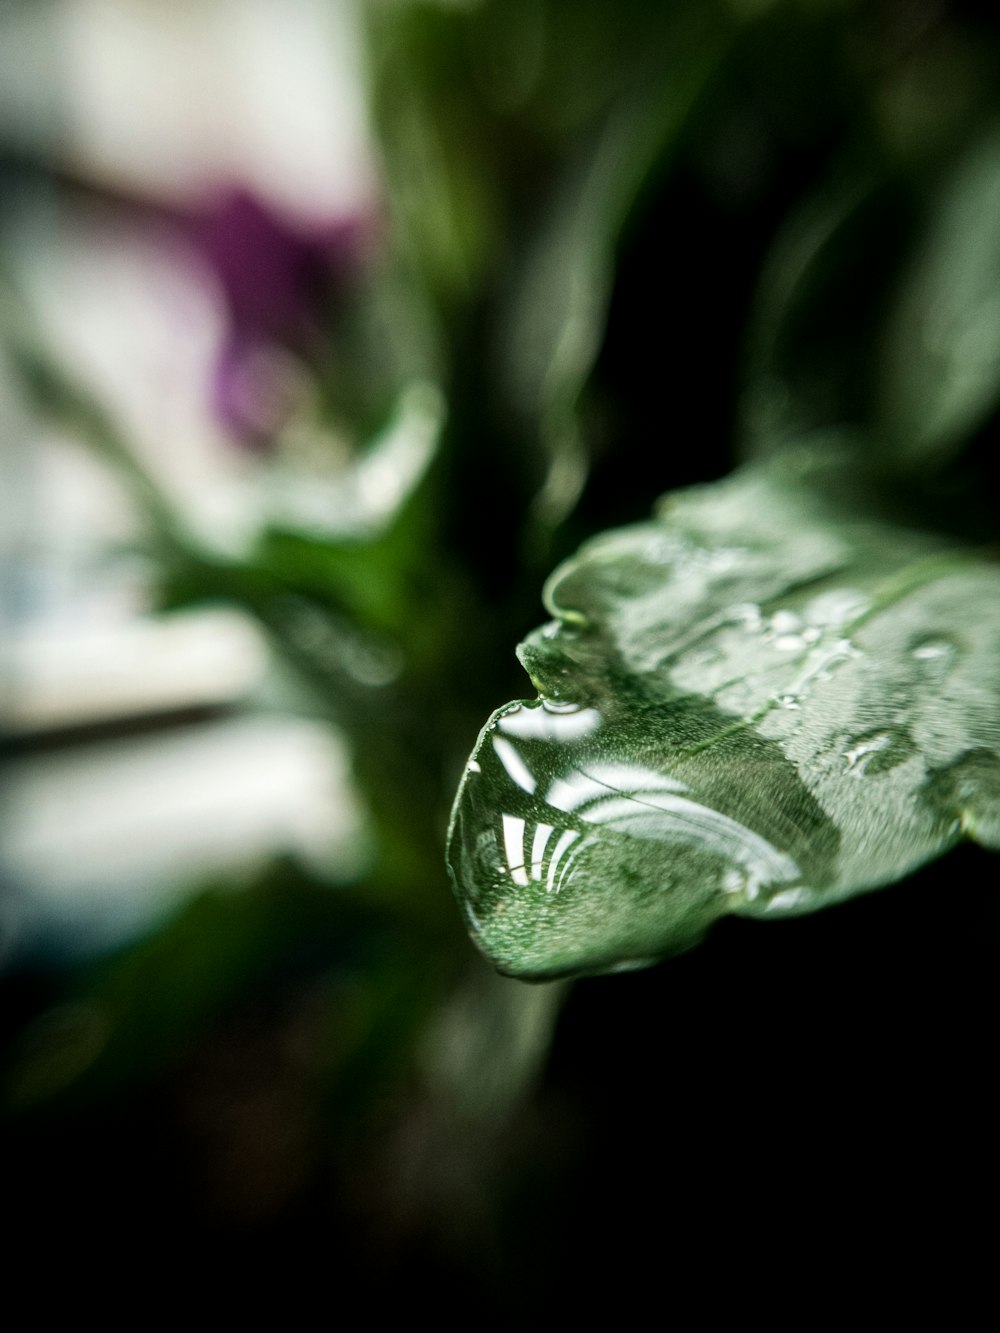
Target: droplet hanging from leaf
column 758, row 703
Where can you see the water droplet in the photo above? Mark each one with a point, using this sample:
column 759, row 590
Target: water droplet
column 836, row 608
column 969, row 790
column 819, row 666
column 878, row 751
column 535, row 722
column 931, row 651
column 789, row 643
column 747, row 614
column 734, row 884
column 934, row 655
column 785, row 622
column 596, row 851
column 787, row 900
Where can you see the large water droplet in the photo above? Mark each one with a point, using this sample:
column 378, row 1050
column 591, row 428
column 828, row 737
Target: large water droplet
column 586, row 843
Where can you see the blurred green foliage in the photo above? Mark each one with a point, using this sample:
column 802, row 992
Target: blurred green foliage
column 630, row 245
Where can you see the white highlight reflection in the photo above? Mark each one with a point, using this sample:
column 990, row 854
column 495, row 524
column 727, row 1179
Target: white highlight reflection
column 566, row 839
column 513, row 841
column 517, row 769
column 643, row 803
column 539, row 724
column 542, row 834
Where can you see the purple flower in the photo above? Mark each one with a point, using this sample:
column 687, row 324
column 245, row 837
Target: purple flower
column 278, row 278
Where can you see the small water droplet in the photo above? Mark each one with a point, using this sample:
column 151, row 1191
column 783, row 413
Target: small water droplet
column 818, row 666
column 878, row 751
column 969, row 790
column 935, row 655
column 531, row 722
column 789, row 643
column 785, row 622
column 747, row 614
column 786, row 900
column 836, row 608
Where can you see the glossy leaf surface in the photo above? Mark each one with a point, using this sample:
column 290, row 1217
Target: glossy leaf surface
column 757, row 703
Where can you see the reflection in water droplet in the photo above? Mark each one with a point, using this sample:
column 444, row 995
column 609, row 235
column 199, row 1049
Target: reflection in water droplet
column 513, row 763
column 552, row 723
column 788, row 899
column 785, row 622
column 561, row 707
column 566, row 839
column 819, row 665
column 878, row 751
column 734, row 883
column 747, row 614
column 581, row 841
column 513, row 841
column 934, row 655
column 861, row 753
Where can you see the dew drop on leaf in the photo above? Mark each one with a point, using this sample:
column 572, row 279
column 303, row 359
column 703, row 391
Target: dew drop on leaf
column 757, row 703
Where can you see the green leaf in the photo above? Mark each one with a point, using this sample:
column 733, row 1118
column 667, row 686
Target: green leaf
column 554, row 323
column 814, row 328
column 767, row 699
column 940, row 372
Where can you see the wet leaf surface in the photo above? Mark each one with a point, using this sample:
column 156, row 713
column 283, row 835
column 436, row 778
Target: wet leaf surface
column 760, row 702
